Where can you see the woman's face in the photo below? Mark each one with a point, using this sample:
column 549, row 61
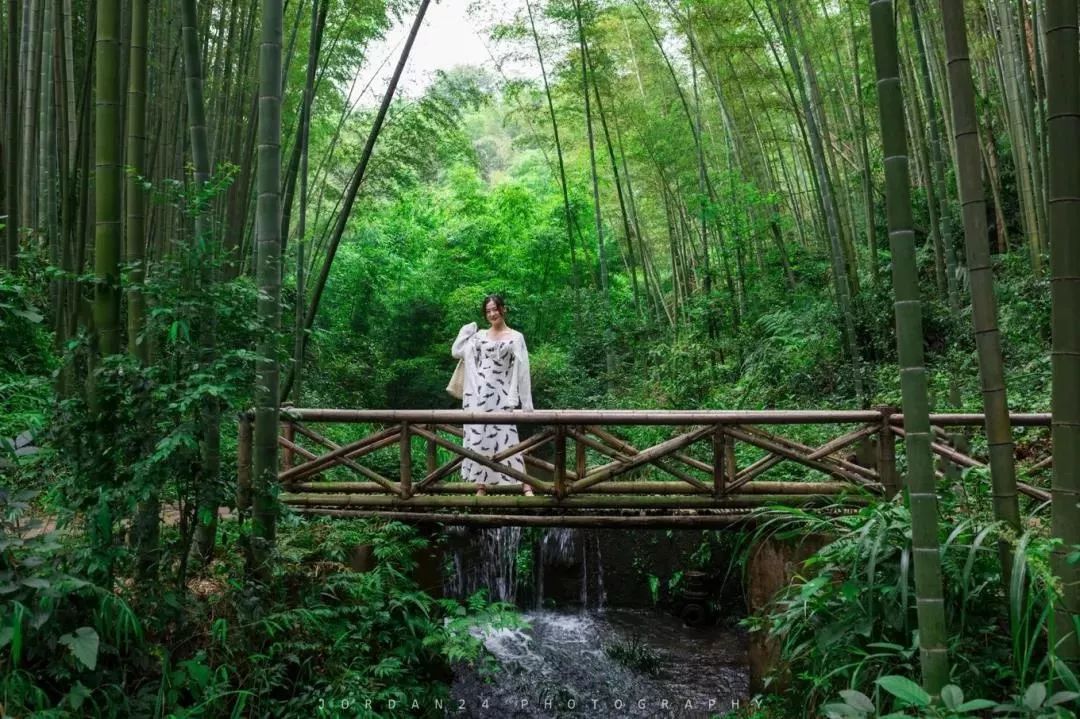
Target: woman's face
column 492, row 312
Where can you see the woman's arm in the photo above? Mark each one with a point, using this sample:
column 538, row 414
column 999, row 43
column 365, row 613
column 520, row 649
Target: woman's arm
column 461, row 344
column 522, row 371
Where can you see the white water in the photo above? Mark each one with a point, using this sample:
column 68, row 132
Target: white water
column 559, row 668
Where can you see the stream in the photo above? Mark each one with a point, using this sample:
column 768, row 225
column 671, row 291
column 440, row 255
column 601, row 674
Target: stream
column 564, row 663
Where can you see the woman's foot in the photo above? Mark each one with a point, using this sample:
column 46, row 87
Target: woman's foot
column 481, row 491
column 527, row 490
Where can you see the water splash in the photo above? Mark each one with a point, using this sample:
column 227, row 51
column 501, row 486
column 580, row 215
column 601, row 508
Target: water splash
column 558, row 667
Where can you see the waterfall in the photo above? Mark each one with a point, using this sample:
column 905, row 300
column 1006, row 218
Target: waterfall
column 556, row 547
column 487, row 561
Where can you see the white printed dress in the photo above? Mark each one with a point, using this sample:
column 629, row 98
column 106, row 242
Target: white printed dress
column 496, row 379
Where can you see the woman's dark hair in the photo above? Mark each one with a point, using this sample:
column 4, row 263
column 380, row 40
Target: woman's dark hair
column 499, row 302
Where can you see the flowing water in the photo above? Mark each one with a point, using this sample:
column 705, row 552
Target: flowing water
column 560, row 667
column 563, row 665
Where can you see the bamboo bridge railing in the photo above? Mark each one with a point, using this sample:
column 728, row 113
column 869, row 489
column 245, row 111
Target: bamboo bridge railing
column 584, row 473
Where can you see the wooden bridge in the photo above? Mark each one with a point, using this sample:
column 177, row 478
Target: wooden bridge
column 585, row 474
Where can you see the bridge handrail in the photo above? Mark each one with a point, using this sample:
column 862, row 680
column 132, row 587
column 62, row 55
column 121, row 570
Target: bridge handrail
column 672, row 417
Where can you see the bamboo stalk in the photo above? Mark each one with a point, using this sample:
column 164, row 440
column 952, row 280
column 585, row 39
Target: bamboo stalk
column 603, row 417
column 635, row 487
column 737, row 520
column 519, row 501
column 406, row 460
column 719, row 441
column 560, row 462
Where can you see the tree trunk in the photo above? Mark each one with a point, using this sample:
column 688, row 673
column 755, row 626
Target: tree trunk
column 909, row 340
column 1063, row 113
column 268, row 276
column 108, row 180
column 146, row 526
column 981, row 274
column 11, row 140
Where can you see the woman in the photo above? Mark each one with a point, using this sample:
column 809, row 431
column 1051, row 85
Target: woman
column 496, row 378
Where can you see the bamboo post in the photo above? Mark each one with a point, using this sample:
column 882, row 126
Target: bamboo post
column 289, row 433
column 718, row 441
column 886, row 452
column 406, row 460
column 560, row 462
column 579, row 447
column 432, row 457
column 729, row 458
column 243, row 465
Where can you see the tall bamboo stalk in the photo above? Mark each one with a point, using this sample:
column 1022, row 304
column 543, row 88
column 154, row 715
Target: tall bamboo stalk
column 1063, row 125
column 268, row 272
column 108, row 179
column 31, row 96
column 200, row 154
column 980, row 272
column 11, row 140
column 146, row 527
column 909, row 341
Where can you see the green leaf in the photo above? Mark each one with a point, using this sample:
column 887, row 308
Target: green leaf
column 1035, row 695
column 36, row 583
column 842, row 711
column 78, row 695
column 1059, row 698
column 952, row 696
column 975, row 705
column 29, row 315
column 198, row 672
column 905, row 690
column 5, row 636
column 858, row 700
column 84, row 645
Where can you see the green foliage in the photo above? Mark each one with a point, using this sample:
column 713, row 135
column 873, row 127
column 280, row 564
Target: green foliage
column 848, row 623
column 26, row 361
column 61, row 637
column 326, row 632
column 907, row 696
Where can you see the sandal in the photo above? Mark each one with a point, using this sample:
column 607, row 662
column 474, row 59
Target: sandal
column 481, row 490
column 528, row 491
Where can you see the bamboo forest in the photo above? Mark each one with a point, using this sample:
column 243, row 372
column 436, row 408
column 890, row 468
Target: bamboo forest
column 540, row 358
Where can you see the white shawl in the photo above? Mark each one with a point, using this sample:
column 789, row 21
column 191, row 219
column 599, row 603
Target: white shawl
column 520, row 380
